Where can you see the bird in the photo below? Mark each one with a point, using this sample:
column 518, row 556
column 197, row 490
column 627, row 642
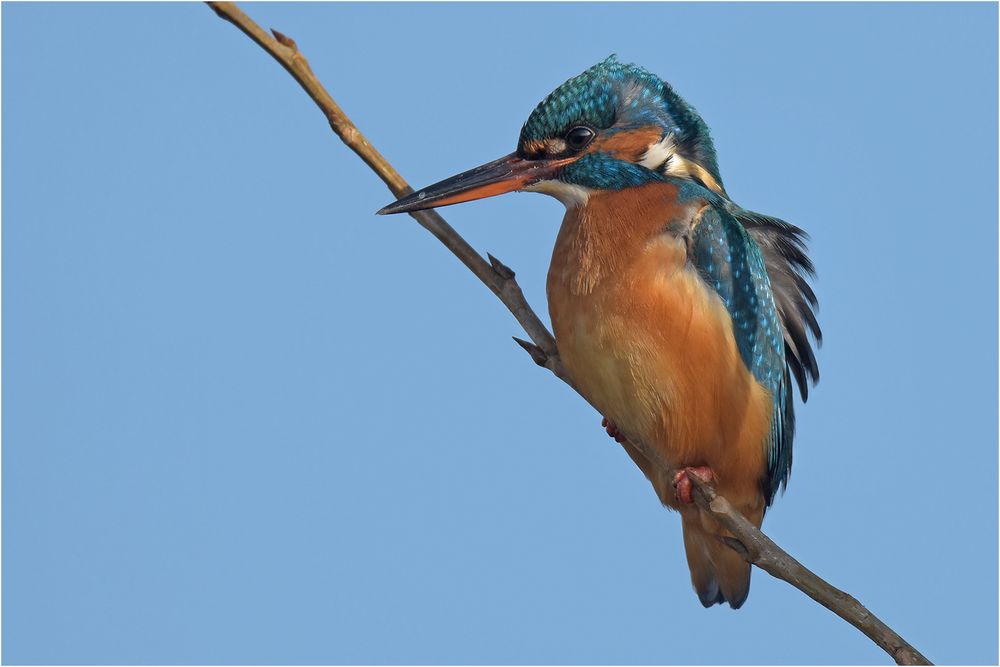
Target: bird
column 680, row 315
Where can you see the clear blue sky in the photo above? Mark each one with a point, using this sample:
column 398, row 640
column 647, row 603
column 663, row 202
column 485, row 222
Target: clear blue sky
column 246, row 420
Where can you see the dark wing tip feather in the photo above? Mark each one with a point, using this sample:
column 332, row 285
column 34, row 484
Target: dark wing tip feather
column 800, row 375
column 785, row 247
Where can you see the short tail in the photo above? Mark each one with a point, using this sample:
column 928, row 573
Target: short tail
column 718, row 573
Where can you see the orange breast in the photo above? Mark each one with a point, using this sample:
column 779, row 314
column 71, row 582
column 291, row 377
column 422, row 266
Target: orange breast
column 649, row 343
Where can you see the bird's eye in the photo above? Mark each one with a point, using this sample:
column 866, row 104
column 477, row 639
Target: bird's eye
column 579, row 137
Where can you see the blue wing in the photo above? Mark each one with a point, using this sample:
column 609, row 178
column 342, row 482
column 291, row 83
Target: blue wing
column 732, row 263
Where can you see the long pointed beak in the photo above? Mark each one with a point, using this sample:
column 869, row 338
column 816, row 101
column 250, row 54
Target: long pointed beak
column 507, row 174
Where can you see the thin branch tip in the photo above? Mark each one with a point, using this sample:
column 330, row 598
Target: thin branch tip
column 284, row 40
column 537, row 354
column 502, row 269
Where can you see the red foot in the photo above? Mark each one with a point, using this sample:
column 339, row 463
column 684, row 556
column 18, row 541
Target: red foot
column 612, row 430
column 682, row 485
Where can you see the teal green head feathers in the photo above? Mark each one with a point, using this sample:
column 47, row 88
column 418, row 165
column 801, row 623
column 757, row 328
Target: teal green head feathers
column 604, row 106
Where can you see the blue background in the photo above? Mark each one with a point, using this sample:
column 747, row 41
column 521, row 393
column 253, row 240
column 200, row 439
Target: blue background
column 245, row 420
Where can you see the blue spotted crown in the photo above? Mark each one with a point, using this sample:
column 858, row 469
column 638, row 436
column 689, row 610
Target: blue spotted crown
column 615, row 96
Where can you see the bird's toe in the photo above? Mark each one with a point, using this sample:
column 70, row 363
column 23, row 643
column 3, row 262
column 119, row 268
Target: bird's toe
column 682, row 481
column 612, row 430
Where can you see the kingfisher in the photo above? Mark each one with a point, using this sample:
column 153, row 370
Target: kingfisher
column 680, row 315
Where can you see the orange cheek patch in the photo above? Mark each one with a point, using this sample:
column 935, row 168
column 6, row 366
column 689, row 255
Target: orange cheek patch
column 630, row 145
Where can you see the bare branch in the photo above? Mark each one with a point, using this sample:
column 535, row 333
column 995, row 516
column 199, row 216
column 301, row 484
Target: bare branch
column 757, row 548
column 747, row 540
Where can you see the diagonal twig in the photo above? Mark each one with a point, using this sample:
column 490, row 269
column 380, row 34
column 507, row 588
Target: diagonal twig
column 747, row 540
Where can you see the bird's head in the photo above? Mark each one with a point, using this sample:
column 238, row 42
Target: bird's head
column 614, row 126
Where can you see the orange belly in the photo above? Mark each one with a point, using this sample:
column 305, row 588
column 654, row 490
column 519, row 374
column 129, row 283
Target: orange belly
column 652, row 347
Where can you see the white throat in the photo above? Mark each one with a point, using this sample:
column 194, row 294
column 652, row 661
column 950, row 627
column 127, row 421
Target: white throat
column 570, row 195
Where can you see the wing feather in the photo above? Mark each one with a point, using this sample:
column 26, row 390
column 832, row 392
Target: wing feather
column 734, row 265
column 784, row 249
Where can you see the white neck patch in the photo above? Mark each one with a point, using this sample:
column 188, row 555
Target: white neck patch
column 659, row 152
column 664, row 158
